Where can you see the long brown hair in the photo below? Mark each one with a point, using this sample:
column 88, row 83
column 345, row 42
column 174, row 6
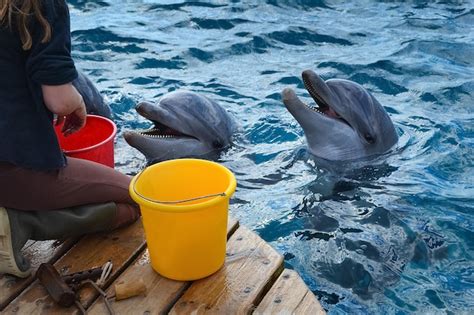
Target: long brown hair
column 20, row 12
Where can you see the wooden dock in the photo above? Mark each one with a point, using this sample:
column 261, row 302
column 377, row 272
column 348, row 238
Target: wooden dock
column 252, row 280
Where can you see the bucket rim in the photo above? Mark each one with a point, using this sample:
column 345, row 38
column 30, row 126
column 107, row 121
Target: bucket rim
column 174, row 208
column 114, row 132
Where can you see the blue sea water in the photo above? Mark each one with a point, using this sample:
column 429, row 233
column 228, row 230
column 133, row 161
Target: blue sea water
column 392, row 236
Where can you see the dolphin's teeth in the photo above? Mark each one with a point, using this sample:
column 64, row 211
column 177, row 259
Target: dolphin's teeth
column 316, row 109
column 160, row 136
column 156, row 133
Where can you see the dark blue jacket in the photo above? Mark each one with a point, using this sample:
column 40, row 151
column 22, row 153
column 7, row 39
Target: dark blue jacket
column 27, row 137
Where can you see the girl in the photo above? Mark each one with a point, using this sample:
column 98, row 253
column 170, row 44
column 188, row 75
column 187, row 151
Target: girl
column 43, row 194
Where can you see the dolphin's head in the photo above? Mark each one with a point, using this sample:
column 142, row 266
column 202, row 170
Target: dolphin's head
column 186, row 124
column 348, row 122
column 93, row 100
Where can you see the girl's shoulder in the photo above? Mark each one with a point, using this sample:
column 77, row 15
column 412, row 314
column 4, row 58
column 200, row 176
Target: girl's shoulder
column 54, row 9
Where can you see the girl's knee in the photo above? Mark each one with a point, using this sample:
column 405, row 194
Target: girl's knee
column 126, row 215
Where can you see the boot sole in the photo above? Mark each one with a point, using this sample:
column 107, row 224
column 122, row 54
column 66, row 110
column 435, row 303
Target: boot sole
column 7, row 258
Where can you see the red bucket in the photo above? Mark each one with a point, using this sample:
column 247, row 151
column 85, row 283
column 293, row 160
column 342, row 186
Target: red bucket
column 94, row 142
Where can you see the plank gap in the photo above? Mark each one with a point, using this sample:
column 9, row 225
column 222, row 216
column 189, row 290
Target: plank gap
column 12, row 286
column 271, row 281
column 168, row 308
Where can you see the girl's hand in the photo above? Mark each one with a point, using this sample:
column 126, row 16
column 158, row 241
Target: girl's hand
column 67, row 104
column 73, row 122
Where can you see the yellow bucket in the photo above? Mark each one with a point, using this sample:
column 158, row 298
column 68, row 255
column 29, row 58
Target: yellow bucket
column 184, row 205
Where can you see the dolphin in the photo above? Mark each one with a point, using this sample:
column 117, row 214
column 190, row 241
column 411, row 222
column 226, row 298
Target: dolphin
column 95, row 104
column 348, row 122
column 185, row 124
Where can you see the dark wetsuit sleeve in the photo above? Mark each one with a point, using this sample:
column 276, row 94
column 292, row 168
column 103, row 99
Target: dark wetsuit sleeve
column 51, row 63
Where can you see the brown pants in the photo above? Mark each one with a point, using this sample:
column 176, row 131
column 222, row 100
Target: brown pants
column 80, row 182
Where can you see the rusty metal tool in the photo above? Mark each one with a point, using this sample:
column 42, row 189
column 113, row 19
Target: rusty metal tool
column 62, row 289
column 57, row 288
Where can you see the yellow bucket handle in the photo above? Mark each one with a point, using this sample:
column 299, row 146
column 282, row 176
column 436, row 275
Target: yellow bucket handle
column 172, row 202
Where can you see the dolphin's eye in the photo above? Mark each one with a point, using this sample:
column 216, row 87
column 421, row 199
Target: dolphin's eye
column 369, row 138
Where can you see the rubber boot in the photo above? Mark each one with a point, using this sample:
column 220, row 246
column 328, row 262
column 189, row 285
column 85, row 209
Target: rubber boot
column 17, row 227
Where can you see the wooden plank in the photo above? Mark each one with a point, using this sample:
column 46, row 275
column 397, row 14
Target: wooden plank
column 37, row 253
column 251, row 268
column 161, row 292
column 290, row 295
column 122, row 246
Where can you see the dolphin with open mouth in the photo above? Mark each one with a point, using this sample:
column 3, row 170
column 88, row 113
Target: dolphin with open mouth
column 348, row 122
column 185, row 124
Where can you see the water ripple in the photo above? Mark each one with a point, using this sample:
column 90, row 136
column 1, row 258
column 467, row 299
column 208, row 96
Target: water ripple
column 301, row 36
column 391, row 235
